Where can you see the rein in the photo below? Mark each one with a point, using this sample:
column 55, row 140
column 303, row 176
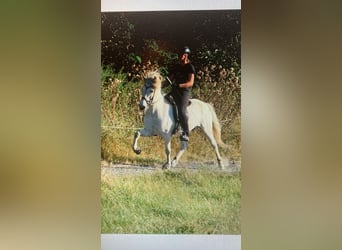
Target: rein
column 151, row 101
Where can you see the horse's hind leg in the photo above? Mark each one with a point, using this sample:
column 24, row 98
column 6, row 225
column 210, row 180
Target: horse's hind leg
column 184, row 146
column 208, row 131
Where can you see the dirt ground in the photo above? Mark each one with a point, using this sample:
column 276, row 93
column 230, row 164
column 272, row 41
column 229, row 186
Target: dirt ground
column 107, row 168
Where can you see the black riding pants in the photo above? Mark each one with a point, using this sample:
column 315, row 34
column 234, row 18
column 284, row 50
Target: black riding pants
column 182, row 100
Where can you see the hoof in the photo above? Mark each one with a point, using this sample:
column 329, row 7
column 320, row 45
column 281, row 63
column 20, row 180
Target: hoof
column 221, row 164
column 174, row 163
column 137, row 151
column 166, row 166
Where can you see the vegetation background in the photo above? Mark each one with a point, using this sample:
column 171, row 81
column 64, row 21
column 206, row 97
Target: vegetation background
column 131, row 44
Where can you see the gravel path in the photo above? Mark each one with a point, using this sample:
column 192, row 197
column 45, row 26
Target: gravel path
column 231, row 167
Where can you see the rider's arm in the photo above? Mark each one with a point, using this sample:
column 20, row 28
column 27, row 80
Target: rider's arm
column 189, row 83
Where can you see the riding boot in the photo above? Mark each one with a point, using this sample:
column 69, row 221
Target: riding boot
column 184, row 118
column 176, row 116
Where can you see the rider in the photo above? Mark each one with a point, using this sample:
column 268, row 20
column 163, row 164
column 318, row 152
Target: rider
column 183, row 76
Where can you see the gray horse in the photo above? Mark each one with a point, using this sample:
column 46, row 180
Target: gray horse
column 159, row 119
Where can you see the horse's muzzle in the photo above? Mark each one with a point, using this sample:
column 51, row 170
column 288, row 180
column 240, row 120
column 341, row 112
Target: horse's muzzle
column 142, row 104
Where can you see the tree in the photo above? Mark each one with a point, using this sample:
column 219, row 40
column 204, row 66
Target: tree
column 117, row 48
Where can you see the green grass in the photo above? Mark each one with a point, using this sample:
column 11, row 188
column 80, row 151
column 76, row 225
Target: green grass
column 183, row 202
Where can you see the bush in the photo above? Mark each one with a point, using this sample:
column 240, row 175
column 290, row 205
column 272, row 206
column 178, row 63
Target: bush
column 221, row 87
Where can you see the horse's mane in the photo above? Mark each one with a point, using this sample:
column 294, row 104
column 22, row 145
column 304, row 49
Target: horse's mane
column 152, row 74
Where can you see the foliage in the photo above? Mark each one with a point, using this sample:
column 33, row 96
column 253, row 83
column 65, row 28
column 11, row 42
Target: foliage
column 161, row 57
column 222, row 87
column 117, row 48
column 154, row 57
column 215, row 39
column 110, row 82
column 218, row 38
column 227, row 55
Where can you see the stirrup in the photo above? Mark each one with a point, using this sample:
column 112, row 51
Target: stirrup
column 184, row 137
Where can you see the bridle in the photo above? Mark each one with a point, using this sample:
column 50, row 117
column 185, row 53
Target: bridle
column 150, row 100
column 149, row 84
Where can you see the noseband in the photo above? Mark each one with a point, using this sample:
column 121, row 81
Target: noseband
column 149, row 102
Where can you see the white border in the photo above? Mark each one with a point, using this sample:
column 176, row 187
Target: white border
column 168, row 5
column 169, row 242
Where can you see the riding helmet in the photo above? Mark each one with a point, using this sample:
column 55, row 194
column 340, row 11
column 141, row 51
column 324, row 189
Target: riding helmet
column 187, row 50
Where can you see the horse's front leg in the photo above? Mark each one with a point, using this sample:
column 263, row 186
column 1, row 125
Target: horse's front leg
column 167, row 164
column 143, row 132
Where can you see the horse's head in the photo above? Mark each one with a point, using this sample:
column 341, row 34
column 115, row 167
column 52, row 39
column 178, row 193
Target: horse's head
column 153, row 79
column 147, row 95
column 152, row 83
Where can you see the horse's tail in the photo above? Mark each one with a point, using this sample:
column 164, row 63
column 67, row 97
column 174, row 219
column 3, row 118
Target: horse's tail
column 216, row 127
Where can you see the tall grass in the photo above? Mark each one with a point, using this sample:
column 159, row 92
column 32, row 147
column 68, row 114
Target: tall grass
column 171, row 203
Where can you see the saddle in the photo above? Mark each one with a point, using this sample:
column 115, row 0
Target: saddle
column 170, row 99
